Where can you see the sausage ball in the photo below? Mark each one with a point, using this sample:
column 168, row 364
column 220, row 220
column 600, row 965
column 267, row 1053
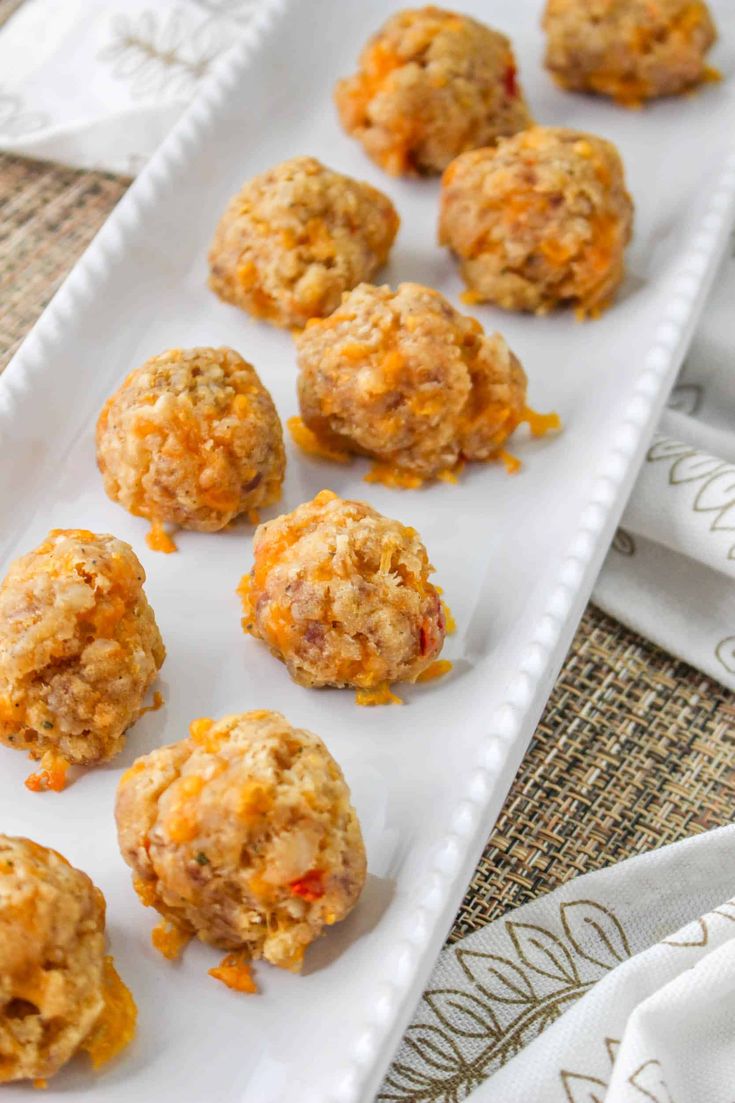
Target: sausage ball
column 192, row 438
column 59, row 993
column 342, row 596
column 403, row 377
column 540, row 221
column 79, row 648
column 243, row 835
column 631, row 50
column 295, row 237
column 430, row 85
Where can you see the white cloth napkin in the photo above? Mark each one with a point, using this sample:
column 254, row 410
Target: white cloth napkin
column 98, row 83
column 618, row 987
column 669, row 574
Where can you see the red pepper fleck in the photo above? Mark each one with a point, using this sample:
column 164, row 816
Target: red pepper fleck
column 423, row 640
column 309, row 887
column 509, row 81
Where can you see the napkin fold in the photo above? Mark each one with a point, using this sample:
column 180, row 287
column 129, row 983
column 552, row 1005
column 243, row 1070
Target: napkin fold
column 615, row 988
column 669, row 573
column 98, row 84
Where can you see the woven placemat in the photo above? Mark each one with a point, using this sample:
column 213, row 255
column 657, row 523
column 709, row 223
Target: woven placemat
column 635, row 749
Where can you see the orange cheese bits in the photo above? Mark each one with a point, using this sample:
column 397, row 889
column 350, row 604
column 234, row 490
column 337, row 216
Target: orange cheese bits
column 169, row 940
column 159, row 540
column 181, row 823
column 199, row 729
column 144, row 889
column 511, row 463
column 313, row 445
column 540, row 424
column 390, row 475
column 234, row 971
column 452, row 474
column 379, row 695
column 157, row 704
column 243, row 592
column 115, row 1027
column 450, row 623
column 51, row 776
column 438, row 669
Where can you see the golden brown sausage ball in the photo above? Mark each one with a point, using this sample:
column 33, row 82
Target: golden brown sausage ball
column 295, row 237
column 59, row 993
column 403, row 377
column 430, row 85
column 631, row 50
column 342, row 596
column 540, row 221
column 244, row 836
column 193, row 439
column 79, row 649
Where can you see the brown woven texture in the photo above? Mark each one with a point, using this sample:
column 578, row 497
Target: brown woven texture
column 634, row 750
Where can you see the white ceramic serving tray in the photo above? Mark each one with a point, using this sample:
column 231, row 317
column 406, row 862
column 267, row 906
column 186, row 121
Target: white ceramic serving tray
column 516, row 556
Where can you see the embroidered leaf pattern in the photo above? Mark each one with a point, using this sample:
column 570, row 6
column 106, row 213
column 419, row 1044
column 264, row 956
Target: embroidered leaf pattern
column 695, row 941
column 725, row 653
column 436, row 1066
column 465, row 1032
column 463, row 1012
column 156, row 54
column 648, row 1080
column 583, row 1089
column 543, row 952
column 595, row 933
column 497, row 977
column 436, row 1051
column 697, row 934
column 716, row 494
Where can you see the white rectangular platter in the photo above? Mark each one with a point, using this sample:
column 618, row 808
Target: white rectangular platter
column 516, row 556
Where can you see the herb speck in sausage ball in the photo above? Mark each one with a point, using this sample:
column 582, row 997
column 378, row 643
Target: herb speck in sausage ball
column 243, row 836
